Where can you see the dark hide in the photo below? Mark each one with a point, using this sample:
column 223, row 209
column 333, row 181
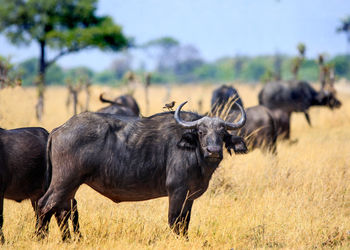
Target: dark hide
column 117, row 109
column 296, row 96
column 124, row 105
column 223, row 99
column 23, row 167
column 260, row 128
column 135, row 160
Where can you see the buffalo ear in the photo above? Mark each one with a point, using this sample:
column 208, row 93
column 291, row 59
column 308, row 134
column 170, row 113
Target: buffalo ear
column 188, row 141
column 236, row 143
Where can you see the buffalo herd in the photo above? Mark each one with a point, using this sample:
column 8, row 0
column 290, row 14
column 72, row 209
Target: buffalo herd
column 128, row 157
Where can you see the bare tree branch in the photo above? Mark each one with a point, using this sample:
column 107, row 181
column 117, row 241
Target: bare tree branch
column 64, row 52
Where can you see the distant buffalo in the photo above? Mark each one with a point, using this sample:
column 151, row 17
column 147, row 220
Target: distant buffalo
column 296, row 96
column 23, row 167
column 223, row 100
column 123, row 105
column 260, row 130
column 135, row 159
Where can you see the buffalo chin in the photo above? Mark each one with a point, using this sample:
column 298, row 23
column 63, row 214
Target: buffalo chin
column 213, row 159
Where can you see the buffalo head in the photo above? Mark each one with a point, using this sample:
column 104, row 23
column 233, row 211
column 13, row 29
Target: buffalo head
column 210, row 133
column 327, row 95
column 328, row 98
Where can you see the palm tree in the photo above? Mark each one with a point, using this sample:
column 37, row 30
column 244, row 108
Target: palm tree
column 298, row 60
column 345, row 27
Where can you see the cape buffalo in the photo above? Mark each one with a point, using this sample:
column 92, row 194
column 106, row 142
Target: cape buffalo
column 223, row 98
column 123, row 105
column 23, row 167
column 136, row 159
column 260, row 129
column 296, row 96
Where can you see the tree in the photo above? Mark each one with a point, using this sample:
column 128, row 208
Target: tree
column 29, row 67
column 78, row 73
column 121, row 65
column 64, row 26
column 345, row 27
column 187, row 60
column 342, row 65
column 6, row 78
column 238, row 66
column 297, row 61
column 164, row 49
column 105, row 77
column 277, row 66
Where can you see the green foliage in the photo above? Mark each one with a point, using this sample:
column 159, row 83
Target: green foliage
column 163, row 42
column 184, row 70
column 344, row 27
column 301, row 49
column 78, row 73
column 105, row 77
column 29, row 67
column 161, row 78
column 251, row 69
column 268, row 76
column 8, row 76
column 206, row 72
column 66, row 24
column 342, row 65
column 309, row 70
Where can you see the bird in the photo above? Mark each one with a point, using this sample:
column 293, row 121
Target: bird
column 169, row 105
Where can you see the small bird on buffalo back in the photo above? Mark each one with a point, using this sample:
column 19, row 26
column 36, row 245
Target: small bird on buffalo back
column 169, row 105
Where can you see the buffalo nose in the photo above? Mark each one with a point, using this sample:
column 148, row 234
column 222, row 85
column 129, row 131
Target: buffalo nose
column 214, row 150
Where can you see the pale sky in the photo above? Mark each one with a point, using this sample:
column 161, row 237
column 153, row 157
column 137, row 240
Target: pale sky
column 217, row 27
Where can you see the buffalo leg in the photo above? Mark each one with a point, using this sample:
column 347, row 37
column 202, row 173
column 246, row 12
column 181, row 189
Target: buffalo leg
column 2, row 238
column 57, row 200
column 285, row 126
column 43, row 224
column 35, row 207
column 62, row 217
column 179, row 214
column 75, row 217
column 70, row 211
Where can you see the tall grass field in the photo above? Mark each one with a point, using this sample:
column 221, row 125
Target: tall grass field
column 299, row 199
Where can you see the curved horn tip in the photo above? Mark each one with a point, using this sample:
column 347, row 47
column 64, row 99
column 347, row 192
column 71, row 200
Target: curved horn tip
column 240, row 123
column 185, row 124
column 182, row 104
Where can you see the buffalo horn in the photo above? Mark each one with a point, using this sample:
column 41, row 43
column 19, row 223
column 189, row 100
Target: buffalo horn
column 194, row 124
column 185, row 124
column 240, row 123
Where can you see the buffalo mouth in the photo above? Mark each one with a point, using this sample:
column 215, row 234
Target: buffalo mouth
column 337, row 105
column 213, row 158
column 334, row 104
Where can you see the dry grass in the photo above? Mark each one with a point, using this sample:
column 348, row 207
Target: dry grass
column 299, row 200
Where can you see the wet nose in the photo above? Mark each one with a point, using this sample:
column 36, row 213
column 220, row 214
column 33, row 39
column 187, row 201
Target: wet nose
column 214, row 150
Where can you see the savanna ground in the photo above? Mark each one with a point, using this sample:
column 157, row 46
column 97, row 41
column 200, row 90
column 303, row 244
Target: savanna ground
column 299, row 200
